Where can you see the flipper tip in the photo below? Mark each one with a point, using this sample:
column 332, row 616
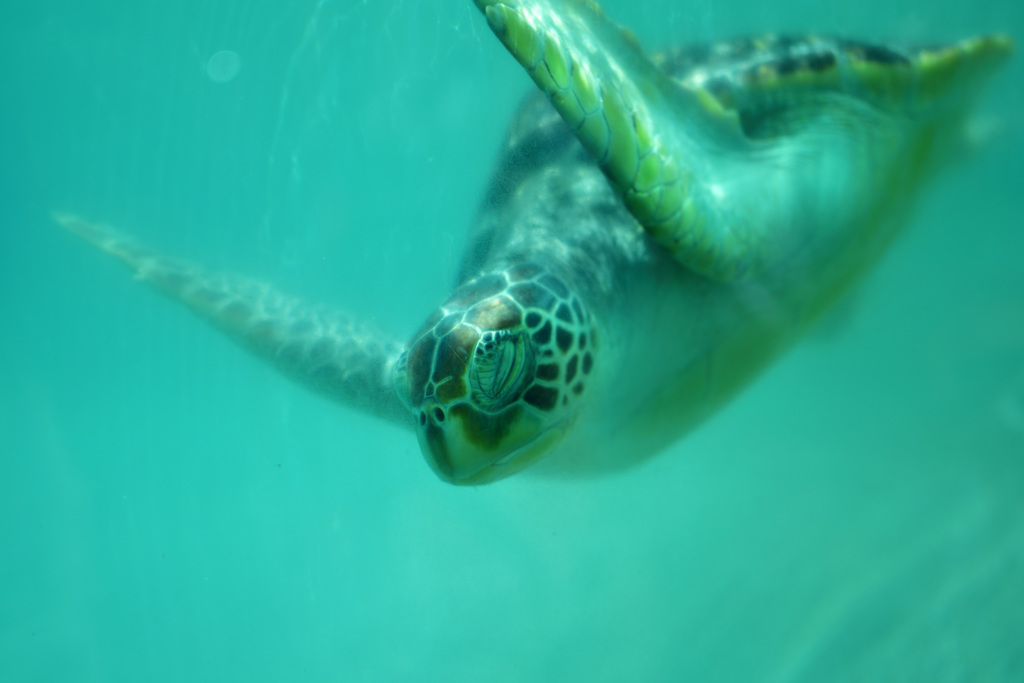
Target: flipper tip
column 102, row 236
column 97, row 234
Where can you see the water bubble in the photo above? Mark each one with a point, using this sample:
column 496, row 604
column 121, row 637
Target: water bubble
column 223, row 66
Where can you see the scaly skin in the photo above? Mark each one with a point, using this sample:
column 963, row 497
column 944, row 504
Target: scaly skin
column 346, row 360
column 613, row 98
column 751, row 183
column 507, row 358
column 652, row 136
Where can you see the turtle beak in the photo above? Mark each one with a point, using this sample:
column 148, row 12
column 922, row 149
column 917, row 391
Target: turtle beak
column 458, row 455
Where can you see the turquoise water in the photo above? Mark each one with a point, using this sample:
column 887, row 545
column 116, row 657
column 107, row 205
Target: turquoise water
column 172, row 510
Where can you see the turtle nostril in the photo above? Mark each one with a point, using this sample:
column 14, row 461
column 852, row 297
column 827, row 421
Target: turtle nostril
column 423, row 419
column 438, row 415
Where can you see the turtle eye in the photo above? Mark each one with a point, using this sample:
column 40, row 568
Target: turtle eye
column 501, row 366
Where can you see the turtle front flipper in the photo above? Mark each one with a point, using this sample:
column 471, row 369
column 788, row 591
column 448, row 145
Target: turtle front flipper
column 625, row 111
column 787, row 149
column 328, row 351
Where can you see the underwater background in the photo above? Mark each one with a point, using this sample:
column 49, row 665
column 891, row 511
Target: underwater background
column 171, row 509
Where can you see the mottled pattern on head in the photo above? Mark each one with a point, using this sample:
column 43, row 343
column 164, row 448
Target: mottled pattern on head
column 510, row 341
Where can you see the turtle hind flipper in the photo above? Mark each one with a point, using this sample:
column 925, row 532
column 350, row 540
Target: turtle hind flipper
column 326, row 350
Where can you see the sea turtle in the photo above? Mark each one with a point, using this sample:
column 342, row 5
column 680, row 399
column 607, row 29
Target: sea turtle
column 647, row 245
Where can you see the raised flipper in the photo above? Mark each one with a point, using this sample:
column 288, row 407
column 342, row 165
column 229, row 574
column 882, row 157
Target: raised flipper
column 328, row 351
column 724, row 202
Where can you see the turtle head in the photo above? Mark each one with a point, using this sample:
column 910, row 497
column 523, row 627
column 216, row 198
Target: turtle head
column 495, row 375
